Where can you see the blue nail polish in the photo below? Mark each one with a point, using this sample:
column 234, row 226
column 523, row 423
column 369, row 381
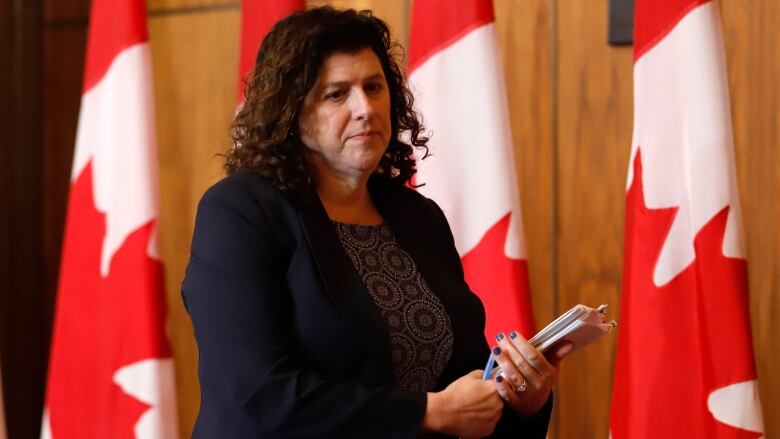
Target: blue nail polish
column 513, row 335
column 499, row 336
column 499, row 378
column 496, row 351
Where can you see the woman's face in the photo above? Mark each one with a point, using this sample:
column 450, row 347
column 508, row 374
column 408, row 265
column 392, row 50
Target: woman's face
column 345, row 121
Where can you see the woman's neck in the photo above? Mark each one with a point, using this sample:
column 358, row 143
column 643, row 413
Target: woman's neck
column 347, row 200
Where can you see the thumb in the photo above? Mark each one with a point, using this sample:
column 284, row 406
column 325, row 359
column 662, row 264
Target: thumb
column 475, row 374
column 561, row 350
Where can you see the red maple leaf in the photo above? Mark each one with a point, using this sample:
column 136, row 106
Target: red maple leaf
column 101, row 324
column 501, row 282
column 683, row 340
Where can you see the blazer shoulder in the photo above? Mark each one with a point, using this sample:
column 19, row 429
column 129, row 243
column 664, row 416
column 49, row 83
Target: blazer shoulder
column 249, row 195
column 409, row 197
column 427, row 206
column 244, row 199
column 242, row 187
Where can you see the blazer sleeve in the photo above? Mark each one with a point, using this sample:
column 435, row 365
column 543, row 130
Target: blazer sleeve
column 535, row 426
column 252, row 382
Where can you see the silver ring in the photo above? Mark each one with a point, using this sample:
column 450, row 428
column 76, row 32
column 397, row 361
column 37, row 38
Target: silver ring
column 522, row 387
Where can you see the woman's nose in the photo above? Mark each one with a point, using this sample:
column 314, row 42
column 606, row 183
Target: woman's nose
column 362, row 106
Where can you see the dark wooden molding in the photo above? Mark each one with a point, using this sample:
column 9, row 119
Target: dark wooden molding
column 23, row 327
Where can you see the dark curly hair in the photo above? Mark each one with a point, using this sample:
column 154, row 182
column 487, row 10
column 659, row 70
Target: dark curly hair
column 265, row 129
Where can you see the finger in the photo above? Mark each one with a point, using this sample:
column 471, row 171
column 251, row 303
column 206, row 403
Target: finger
column 534, row 377
column 520, row 387
column 559, row 351
column 510, row 350
column 533, row 358
column 507, row 394
column 508, row 368
column 528, row 374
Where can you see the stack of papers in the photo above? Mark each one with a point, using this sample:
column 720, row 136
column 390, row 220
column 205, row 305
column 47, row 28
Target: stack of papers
column 581, row 325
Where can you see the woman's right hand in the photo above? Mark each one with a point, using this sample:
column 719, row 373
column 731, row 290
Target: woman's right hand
column 469, row 407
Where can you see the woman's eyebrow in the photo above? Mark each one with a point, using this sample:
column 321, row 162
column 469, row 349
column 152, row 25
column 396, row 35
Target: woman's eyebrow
column 342, row 83
column 375, row 76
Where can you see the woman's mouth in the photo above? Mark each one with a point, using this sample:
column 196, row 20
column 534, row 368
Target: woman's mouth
column 364, row 135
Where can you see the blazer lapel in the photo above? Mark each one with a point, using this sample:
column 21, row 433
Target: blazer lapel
column 340, row 278
column 417, row 233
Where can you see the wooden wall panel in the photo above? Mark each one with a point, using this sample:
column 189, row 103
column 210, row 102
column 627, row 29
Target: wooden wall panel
column 751, row 36
column 524, row 30
column 593, row 138
column 178, row 7
column 395, row 13
column 195, row 74
column 58, row 12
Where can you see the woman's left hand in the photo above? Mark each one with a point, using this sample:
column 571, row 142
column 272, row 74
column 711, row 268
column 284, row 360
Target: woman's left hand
column 527, row 376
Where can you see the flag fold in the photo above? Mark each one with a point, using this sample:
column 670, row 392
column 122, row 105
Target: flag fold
column 111, row 367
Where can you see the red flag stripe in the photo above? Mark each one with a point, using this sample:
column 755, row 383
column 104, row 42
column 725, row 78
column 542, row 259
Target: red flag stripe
column 102, row 324
column 437, row 24
column 700, row 319
column 502, row 283
column 108, row 36
column 658, row 19
column 257, row 19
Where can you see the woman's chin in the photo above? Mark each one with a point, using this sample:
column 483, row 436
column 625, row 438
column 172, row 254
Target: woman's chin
column 367, row 160
column 367, row 168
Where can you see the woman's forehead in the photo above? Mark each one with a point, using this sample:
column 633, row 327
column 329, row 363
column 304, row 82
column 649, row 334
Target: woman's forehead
column 362, row 62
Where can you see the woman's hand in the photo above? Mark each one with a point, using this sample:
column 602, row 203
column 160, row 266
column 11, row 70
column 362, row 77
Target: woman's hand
column 527, row 376
column 468, row 407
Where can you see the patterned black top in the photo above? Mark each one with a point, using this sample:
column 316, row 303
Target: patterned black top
column 419, row 326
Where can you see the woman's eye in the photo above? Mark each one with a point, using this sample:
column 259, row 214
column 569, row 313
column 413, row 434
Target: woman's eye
column 334, row 95
column 375, row 87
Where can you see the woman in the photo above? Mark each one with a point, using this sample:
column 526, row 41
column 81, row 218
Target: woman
column 327, row 297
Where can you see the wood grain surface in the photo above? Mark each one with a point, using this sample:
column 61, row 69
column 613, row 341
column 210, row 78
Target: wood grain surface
column 195, row 80
column 593, row 84
column 751, row 35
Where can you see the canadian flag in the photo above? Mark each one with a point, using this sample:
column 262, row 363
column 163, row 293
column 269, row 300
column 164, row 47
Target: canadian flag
column 684, row 363
column 257, row 18
column 111, row 372
column 457, row 79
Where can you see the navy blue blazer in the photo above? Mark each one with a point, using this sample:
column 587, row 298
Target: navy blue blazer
column 291, row 344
